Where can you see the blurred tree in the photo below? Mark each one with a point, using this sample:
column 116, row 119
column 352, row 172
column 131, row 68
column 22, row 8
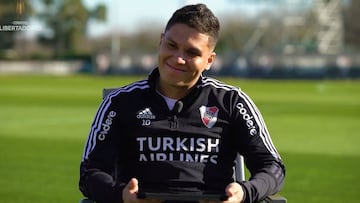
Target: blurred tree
column 11, row 12
column 146, row 38
column 234, row 34
column 351, row 25
column 66, row 22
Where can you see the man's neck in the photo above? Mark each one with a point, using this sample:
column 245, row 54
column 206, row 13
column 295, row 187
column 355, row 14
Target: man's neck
column 173, row 92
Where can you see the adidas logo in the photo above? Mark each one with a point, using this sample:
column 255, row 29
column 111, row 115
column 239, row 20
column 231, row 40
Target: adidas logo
column 145, row 114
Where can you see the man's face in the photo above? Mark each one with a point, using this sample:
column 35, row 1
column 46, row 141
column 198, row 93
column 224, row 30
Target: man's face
column 183, row 55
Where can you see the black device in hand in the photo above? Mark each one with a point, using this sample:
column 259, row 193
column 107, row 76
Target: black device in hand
column 181, row 195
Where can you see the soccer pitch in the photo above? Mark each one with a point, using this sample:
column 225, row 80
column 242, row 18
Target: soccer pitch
column 44, row 121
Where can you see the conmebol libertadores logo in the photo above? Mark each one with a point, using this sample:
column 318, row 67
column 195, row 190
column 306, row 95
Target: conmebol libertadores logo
column 19, row 25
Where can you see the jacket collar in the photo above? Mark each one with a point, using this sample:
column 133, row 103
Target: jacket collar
column 154, row 77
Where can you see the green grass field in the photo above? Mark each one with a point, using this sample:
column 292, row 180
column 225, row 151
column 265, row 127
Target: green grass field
column 44, row 121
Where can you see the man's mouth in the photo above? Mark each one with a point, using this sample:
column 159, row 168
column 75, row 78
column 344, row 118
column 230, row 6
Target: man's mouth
column 175, row 68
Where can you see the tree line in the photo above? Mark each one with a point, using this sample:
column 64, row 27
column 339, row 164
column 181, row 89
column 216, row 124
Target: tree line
column 65, row 33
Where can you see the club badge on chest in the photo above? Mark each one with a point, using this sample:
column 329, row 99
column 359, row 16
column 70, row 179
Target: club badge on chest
column 209, row 115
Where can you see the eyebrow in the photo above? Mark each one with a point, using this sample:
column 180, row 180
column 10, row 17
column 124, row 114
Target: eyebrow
column 195, row 50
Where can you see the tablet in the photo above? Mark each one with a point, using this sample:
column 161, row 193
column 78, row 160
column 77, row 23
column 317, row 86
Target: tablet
column 182, row 196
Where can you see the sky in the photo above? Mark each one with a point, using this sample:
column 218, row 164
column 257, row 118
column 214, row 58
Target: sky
column 127, row 15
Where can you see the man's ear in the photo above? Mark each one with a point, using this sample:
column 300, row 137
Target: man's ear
column 211, row 60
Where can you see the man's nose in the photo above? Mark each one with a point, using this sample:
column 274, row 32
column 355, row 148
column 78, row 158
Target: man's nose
column 180, row 59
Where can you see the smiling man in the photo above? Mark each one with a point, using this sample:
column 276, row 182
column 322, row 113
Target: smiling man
column 178, row 130
column 184, row 54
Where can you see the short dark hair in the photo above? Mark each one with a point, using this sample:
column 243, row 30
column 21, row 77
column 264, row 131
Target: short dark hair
column 197, row 16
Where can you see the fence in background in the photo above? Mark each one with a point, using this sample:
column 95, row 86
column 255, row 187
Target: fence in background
column 253, row 66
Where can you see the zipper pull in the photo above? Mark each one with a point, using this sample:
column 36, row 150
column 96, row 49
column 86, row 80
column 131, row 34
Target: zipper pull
column 176, row 110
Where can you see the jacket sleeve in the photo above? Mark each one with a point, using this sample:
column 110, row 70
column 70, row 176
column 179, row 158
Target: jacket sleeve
column 267, row 171
column 98, row 178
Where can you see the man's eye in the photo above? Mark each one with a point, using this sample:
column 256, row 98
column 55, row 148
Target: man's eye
column 171, row 45
column 193, row 53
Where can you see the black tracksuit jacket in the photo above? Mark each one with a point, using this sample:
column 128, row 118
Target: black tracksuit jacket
column 191, row 147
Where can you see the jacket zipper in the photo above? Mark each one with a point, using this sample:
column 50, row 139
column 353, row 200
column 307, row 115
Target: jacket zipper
column 173, row 119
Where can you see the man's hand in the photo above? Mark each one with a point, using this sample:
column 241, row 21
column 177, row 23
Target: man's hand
column 130, row 191
column 235, row 194
column 129, row 194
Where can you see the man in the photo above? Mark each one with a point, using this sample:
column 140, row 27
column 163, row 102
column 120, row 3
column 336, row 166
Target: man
column 179, row 130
